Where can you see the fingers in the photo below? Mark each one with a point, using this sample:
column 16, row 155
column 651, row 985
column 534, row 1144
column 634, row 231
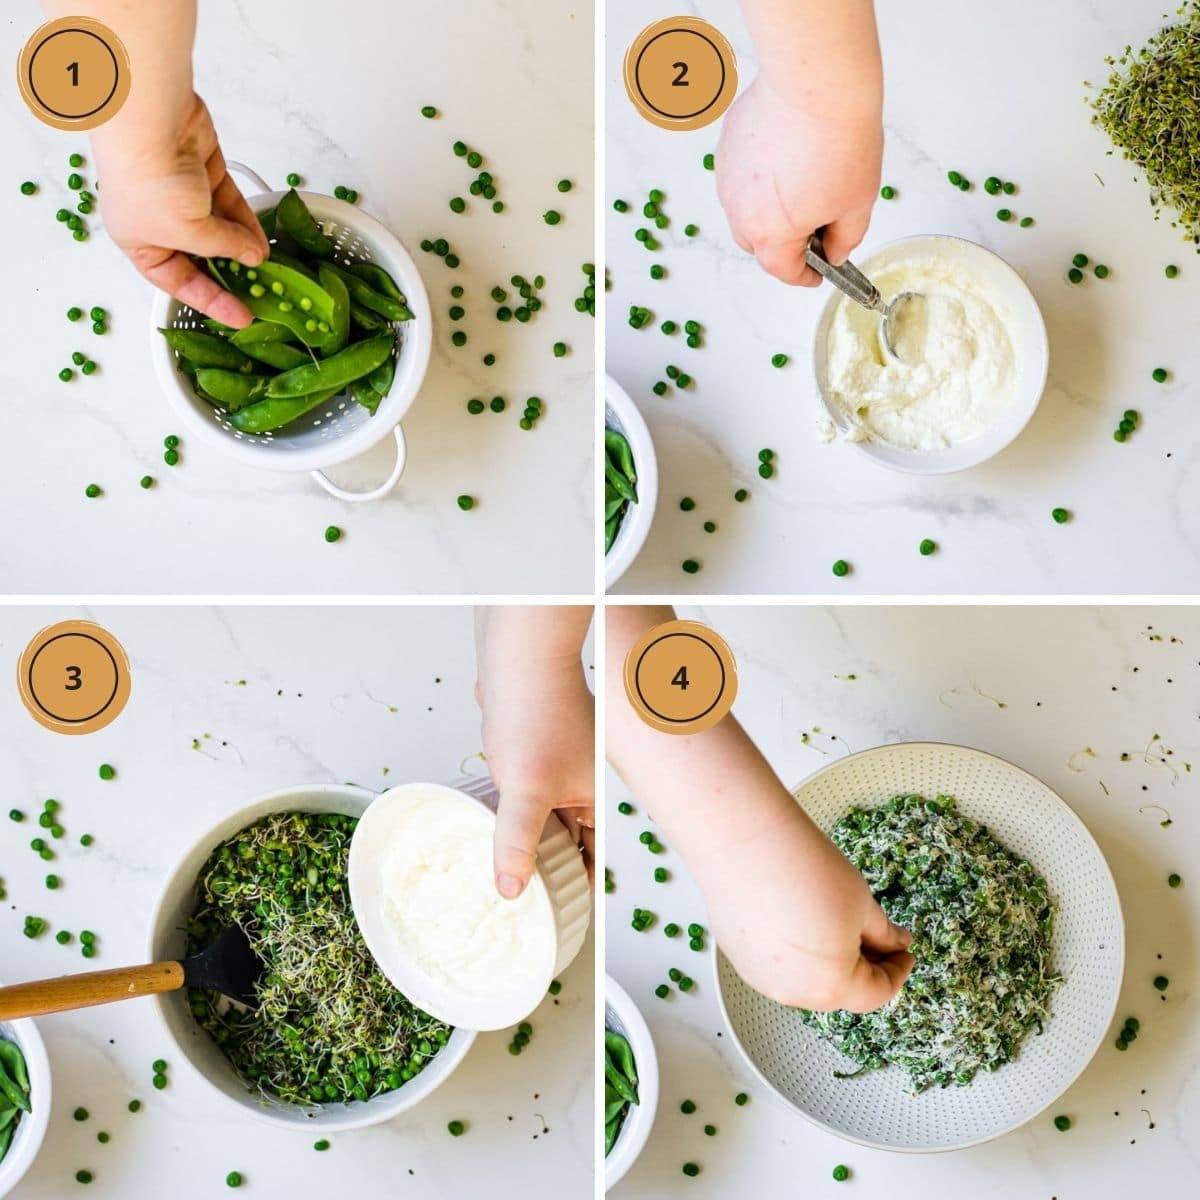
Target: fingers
column 181, row 278
column 218, row 237
column 881, row 935
column 785, row 260
column 581, row 825
column 842, row 237
column 230, row 205
column 520, row 820
column 872, row 984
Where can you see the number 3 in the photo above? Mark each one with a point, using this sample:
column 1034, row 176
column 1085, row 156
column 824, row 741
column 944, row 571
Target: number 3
column 680, row 80
column 74, row 679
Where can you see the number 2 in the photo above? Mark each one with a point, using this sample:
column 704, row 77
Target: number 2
column 680, row 80
column 681, row 680
column 74, row 679
column 74, row 70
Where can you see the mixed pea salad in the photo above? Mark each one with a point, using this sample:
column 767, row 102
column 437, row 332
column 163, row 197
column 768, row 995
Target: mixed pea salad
column 982, row 920
column 620, row 1086
column 328, row 1028
column 321, row 326
column 620, row 483
column 14, row 1092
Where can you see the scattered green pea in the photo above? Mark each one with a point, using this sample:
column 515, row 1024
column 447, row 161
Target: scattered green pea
column 1171, row 271
column 690, row 566
column 92, row 491
column 1080, row 260
column 841, row 568
column 233, row 1179
column 691, row 1169
column 81, row 1114
column 1060, row 515
column 710, row 162
column 466, row 503
column 779, row 360
column 841, row 1173
column 146, row 482
column 1161, row 982
column 293, row 179
column 107, row 771
column 28, row 188
column 84, row 1176
column 551, row 217
column 429, row 112
column 1159, row 375
column 1004, row 214
column 332, row 533
column 321, row 1145
column 887, row 192
column 1062, row 1123
column 927, row 546
column 456, row 1128
column 1075, row 275
column 1174, row 880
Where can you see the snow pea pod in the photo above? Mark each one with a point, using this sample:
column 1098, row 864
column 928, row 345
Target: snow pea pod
column 376, row 277
column 366, row 296
column 206, row 349
column 331, row 281
column 268, row 415
column 622, row 1085
column 382, row 377
column 6, row 1137
column 8, row 1114
column 367, row 320
column 284, row 259
column 13, row 1093
column 303, row 227
column 259, row 332
column 268, row 221
column 231, row 389
column 337, row 371
column 274, row 292
column 620, row 484
column 614, row 1102
column 279, row 355
column 621, row 1052
column 613, row 507
column 611, row 1129
column 13, row 1061
column 611, row 526
column 617, row 445
column 365, row 395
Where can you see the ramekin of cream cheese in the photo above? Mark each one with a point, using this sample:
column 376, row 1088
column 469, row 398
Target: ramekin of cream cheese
column 423, row 892
column 972, row 357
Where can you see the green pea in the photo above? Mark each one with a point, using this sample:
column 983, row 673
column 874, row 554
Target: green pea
column 456, row 1128
column 779, row 360
column 429, row 112
column 79, row 358
column 84, row 1177
column 1060, row 515
column 662, row 991
column 1161, row 982
column 332, row 533
column 560, row 349
column 620, row 206
column 92, row 491
column 1171, row 271
column 551, row 217
column 1174, row 880
column 841, row 568
column 75, row 160
column 293, row 180
column 1159, row 375
column 564, row 185
column 741, row 495
column 687, row 1107
column 841, row 1173
column 81, row 1114
column 233, row 1179
column 458, row 337
column 171, row 457
column 1004, row 214
column 88, row 368
column 321, row 1145
column 955, row 178
column 657, row 271
column 74, row 181
column 1062, row 1123
column 28, row 188
column 66, row 374
column 1080, row 260
column 475, row 406
column 991, row 185
column 99, row 328
column 1025, row 222
column 466, row 503
column 710, row 162
column 458, row 204
column 1075, row 275
column 690, row 566
column 691, row 1169
column 62, row 215
column 1101, row 271
column 135, row 1106
column 107, row 771
column 766, row 470
column 927, row 546
column 1009, row 188
column 887, row 192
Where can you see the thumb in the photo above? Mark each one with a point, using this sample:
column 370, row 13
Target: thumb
column 872, row 984
column 520, row 819
column 881, row 935
column 218, row 237
column 842, row 237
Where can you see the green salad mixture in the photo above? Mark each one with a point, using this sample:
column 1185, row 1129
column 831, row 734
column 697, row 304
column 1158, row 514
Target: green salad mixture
column 981, row 919
column 329, row 1027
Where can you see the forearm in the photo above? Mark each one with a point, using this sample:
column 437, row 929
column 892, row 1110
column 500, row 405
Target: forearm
column 713, row 794
column 819, row 55
column 158, row 35
column 512, row 640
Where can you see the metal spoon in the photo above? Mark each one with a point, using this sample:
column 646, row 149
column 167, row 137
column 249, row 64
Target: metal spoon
column 852, row 282
column 229, row 966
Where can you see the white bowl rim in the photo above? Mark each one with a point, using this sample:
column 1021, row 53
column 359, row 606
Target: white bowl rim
column 778, row 1097
column 333, row 1117
column 31, row 1129
column 915, row 462
column 412, row 364
column 636, row 527
column 617, row 1164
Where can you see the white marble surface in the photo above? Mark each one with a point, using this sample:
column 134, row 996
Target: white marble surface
column 321, row 686
column 1069, row 678
column 334, row 94
column 997, row 89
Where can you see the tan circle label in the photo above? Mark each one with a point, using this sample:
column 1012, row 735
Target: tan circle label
column 74, row 73
column 74, row 677
column 681, row 73
column 681, row 677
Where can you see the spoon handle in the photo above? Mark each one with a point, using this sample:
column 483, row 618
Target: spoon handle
column 847, row 278
column 67, row 992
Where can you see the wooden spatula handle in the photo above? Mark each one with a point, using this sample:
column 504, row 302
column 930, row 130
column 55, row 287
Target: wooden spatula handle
column 44, row 996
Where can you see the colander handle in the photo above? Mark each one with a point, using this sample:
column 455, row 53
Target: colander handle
column 241, row 169
column 375, row 493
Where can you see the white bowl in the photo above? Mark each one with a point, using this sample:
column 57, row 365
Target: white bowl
column 1030, row 344
column 876, row 1108
column 166, row 941
column 621, row 414
column 342, row 429
column 622, row 1016
column 558, row 892
column 31, row 1128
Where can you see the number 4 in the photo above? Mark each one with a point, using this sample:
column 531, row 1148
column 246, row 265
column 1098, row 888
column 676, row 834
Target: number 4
column 681, row 680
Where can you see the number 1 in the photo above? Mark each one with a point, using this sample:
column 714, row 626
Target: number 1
column 74, row 69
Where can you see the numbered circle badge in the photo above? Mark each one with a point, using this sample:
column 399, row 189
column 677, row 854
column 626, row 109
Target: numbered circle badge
column 681, row 677
column 681, row 73
column 74, row 73
column 74, row 677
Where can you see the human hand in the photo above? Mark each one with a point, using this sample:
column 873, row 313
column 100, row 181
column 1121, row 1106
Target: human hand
column 538, row 732
column 799, row 923
column 167, row 195
column 786, row 170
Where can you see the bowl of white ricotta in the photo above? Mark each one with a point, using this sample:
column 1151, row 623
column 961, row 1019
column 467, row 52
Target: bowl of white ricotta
column 973, row 358
column 423, row 891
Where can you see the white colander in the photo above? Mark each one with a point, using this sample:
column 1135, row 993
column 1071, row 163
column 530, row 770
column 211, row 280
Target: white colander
column 342, row 429
column 876, row 1108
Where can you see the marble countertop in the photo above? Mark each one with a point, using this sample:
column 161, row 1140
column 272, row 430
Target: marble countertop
column 338, row 101
column 991, row 91
column 369, row 695
column 1068, row 678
